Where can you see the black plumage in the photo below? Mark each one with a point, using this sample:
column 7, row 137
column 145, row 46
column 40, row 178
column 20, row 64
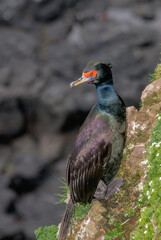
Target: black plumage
column 90, row 155
column 98, row 148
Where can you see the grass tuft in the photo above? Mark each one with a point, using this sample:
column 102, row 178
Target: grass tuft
column 156, row 75
column 157, row 72
column 65, row 191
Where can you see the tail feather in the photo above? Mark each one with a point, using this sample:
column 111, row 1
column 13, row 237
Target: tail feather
column 66, row 221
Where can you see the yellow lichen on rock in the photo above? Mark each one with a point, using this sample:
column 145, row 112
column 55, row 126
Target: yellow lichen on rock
column 96, row 211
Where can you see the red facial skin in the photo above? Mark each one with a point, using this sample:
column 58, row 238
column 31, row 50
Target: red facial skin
column 91, row 74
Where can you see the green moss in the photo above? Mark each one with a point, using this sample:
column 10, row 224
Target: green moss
column 152, row 99
column 46, row 233
column 156, row 75
column 114, row 233
column 129, row 212
column 157, row 72
column 149, row 223
column 81, row 210
column 152, row 77
column 118, row 224
column 96, row 212
column 122, row 207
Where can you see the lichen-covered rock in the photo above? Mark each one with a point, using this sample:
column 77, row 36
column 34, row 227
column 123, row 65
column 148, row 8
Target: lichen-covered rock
column 152, row 93
column 90, row 227
column 117, row 217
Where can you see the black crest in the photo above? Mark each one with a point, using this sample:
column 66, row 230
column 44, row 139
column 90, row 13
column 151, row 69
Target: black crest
column 97, row 62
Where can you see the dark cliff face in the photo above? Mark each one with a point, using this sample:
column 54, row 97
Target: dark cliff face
column 44, row 45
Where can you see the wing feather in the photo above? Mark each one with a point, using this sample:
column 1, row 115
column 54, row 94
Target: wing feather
column 88, row 160
column 84, row 179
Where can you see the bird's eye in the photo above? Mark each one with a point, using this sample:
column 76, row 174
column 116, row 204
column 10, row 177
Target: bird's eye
column 91, row 74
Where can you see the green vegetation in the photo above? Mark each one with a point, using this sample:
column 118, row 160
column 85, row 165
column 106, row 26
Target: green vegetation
column 156, row 75
column 149, row 224
column 130, row 212
column 65, row 191
column 117, row 231
column 153, row 77
column 117, row 227
column 114, row 233
column 157, row 72
column 81, row 210
column 46, row 233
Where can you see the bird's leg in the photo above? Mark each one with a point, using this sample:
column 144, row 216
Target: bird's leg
column 105, row 192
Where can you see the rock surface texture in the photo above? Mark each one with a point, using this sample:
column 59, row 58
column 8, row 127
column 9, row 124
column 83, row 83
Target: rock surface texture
column 44, row 45
column 120, row 208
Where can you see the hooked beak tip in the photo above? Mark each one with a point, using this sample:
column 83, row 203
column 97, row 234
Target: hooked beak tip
column 81, row 80
column 71, row 84
column 75, row 83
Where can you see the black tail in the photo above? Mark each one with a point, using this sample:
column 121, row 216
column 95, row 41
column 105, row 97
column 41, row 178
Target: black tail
column 66, row 221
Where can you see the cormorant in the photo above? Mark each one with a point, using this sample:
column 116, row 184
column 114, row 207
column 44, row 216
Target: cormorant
column 98, row 149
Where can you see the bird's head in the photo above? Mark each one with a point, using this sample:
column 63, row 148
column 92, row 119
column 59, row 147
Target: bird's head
column 96, row 73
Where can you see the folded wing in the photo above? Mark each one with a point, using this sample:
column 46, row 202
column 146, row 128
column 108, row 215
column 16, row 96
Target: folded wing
column 88, row 160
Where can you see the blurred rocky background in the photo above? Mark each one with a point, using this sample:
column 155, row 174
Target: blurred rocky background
column 44, row 45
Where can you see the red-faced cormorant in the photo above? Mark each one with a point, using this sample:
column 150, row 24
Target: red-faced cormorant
column 98, row 149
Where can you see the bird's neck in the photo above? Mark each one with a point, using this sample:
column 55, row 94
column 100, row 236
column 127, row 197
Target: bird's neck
column 106, row 94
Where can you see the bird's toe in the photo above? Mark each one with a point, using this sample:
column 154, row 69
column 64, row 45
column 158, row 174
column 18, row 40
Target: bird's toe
column 114, row 187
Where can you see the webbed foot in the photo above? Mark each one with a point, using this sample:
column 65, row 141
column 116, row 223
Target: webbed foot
column 105, row 192
column 114, row 187
column 101, row 190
